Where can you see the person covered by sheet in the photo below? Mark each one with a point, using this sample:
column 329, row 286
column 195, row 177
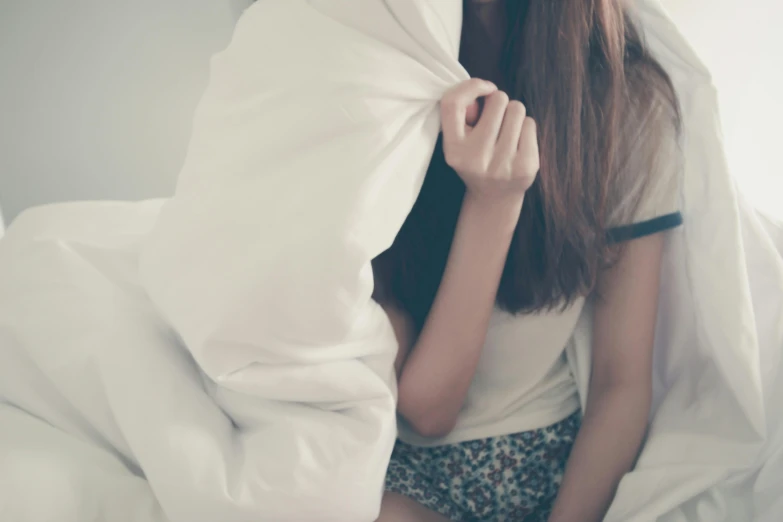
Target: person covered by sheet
column 554, row 182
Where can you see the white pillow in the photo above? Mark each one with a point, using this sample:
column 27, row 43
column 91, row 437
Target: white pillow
column 97, row 96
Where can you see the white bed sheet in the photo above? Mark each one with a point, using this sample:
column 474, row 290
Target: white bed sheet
column 103, row 398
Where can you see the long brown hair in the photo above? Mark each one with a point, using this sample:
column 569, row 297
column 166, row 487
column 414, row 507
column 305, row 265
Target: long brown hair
column 579, row 66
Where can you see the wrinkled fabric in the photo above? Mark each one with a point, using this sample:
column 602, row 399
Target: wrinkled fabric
column 719, row 334
column 218, row 357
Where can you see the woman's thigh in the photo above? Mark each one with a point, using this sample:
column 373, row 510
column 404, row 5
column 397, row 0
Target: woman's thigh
column 398, row 508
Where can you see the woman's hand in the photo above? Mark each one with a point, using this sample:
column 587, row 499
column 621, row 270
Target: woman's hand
column 495, row 153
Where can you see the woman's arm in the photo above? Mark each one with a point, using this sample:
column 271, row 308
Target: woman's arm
column 437, row 374
column 497, row 158
column 620, row 391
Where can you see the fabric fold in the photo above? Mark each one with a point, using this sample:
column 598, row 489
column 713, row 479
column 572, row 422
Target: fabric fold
column 217, row 356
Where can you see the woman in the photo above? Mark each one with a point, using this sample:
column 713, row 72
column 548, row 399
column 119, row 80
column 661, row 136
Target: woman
column 486, row 279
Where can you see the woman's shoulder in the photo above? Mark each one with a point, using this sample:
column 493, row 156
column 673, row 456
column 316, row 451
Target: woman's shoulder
column 649, row 157
column 651, row 102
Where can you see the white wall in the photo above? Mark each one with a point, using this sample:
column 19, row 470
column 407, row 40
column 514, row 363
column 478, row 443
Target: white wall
column 742, row 43
column 96, row 96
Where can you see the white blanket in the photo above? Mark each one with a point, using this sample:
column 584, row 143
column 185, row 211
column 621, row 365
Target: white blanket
column 221, row 359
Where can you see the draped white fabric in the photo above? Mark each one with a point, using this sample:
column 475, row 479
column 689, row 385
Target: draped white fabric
column 711, row 418
column 218, row 356
column 741, row 44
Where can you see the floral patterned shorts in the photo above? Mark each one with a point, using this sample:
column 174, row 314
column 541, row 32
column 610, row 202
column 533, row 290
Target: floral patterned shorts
column 512, row 478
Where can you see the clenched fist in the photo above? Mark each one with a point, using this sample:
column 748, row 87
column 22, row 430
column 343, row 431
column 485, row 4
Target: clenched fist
column 494, row 152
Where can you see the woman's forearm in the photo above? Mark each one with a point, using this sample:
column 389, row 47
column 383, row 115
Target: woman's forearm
column 608, row 443
column 437, row 374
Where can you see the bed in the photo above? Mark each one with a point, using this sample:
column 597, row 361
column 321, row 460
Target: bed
column 164, row 361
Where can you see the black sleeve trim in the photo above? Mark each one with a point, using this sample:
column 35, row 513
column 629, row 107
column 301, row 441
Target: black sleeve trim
column 644, row 228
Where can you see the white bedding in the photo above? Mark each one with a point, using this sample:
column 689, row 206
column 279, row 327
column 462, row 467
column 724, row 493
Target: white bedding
column 189, row 363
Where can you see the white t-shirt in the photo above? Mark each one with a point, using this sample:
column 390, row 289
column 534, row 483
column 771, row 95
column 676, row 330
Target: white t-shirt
column 523, row 381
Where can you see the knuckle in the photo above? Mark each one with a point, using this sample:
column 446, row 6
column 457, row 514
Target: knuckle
column 457, row 93
column 528, row 140
column 474, row 83
column 491, row 170
column 517, row 107
column 535, row 164
column 529, row 137
column 503, row 170
column 449, row 102
column 482, row 163
column 500, row 97
column 528, row 165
